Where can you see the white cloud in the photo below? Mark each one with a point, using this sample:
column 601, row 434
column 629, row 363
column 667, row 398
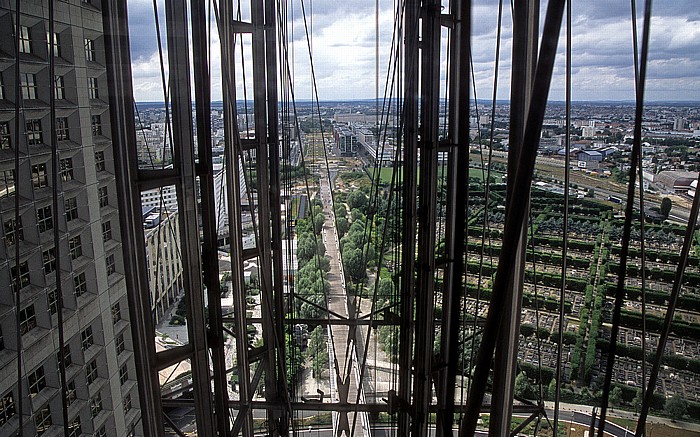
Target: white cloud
column 343, row 35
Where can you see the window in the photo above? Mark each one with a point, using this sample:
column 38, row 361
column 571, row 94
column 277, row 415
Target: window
column 7, row 408
column 20, row 276
column 102, row 432
column 76, row 248
column 96, row 122
column 89, row 50
column 120, row 344
column 25, row 41
column 66, row 167
column 39, row 177
column 7, row 183
column 100, row 161
column 67, row 358
column 79, row 285
column 44, row 219
column 49, row 257
column 91, row 372
column 106, row 231
column 127, row 403
column 5, row 137
column 2, row 88
column 62, row 132
column 56, row 46
column 116, row 313
column 52, row 301
column 92, row 88
column 27, row 319
column 96, row 405
column 59, row 90
column 111, row 266
column 2, row 344
column 103, row 196
column 34, row 134
column 42, row 420
column 36, row 381
column 86, row 338
column 74, row 429
column 28, row 86
column 71, row 394
column 14, row 232
column 123, row 374
column 71, row 205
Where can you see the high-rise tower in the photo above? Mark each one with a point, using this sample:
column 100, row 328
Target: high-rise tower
column 100, row 381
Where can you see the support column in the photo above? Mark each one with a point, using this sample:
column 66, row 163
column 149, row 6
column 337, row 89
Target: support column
column 456, row 216
column 427, row 214
column 525, row 31
column 185, row 186
column 121, row 108
column 408, row 249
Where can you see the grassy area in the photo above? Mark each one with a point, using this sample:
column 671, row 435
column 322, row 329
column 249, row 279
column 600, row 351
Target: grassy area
column 385, row 174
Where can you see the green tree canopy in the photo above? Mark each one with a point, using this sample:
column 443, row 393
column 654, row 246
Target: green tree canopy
column 666, row 206
column 343, row 226
column 616, row 396
column 676, row 407
column 357, row 200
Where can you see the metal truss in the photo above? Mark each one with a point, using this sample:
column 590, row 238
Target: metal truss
column 428, row 278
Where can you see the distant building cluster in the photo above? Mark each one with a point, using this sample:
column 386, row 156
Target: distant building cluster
column 356, row 137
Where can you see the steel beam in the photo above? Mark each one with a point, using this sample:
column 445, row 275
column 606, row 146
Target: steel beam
column 210, row 258
column 265, row 75
column 315, row 405
column 427, row 215
column 456, row 214
column 121, row 106
column 232, row 141
column 183, row 161
column 517, row 205
column 410, row 176
column 525, row 31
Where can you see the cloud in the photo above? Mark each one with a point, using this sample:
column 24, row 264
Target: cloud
column 343, row 39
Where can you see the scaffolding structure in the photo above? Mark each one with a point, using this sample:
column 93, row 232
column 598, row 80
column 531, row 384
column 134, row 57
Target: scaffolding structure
column 427, row 375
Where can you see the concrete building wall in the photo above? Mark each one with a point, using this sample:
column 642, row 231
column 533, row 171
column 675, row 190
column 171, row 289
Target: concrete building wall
column 100, row 372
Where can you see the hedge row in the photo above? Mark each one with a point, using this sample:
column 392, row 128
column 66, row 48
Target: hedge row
column 653, row 255
column 585, row 246
column 687, row 302
column 679, row 362
column 689, row 278
column 680, row 328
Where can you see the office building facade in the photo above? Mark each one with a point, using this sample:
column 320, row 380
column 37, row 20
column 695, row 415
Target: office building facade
column 100, row 381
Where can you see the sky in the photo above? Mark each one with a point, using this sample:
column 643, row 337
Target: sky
column 343, row 40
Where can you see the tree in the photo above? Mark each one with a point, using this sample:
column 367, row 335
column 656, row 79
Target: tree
column 340, row 210
column 637, row 401
column 523, row 389
column 552, row 388
column 666, row 205
column 343, row 226
column 317, row 351
column 357, row 200
column 616, row 396
column 318, row 222
column 676, row 407
column 353, row 263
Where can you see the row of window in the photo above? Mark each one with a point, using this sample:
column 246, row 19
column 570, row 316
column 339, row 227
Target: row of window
column 20, row 276
column 35, row 135
column 14, row 232
column 28, row 87
column 26, row 43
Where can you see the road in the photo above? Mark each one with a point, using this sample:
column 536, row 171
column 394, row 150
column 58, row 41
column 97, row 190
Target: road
column 342, row 352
